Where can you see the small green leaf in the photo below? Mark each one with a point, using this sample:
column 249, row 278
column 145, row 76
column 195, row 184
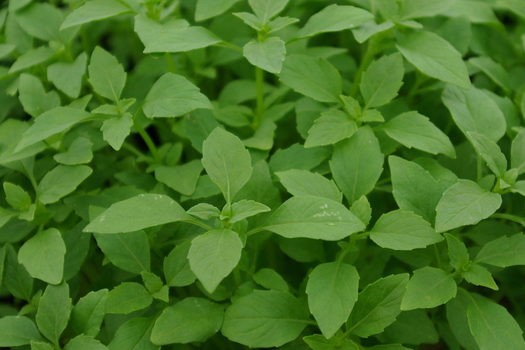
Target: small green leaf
column 88, row 313
column 213, row 256
column 465, row 203
column 182, row 178
column 246, row 208
column 126, row 298
column 267, row 54
column 181, row 40
column 361, row 208
column 177, row 267
column 79, row 152
column 16, row 278
column 305, row 183
column 332, row 292
column 267, row 9
column 369, row 29
column 382, row 80
column 106, row 74
column 490, row 152
column 17, row 197
column 332, row 127
column 190, row 320
column 480, row 276
column 270, row 279
column 130, row 251
column 429, row 287
column 263, row 137
column 53, row 311
column 210, row 8
column 204, row 211
column 457, row 252
column 32, row 58
column 493, row 70
column 67, row 77
column 17, row 331
column 95, row 11
column 133, row 335
column 504, row 251
column 33, row 96
column 116, row 129
column 61, row 181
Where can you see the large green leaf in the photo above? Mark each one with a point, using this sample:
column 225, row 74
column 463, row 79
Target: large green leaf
column 305, row 183
column 53, row 312
column 332, row 127
column 130, row 251
column 106, row 74
column 61, row 181
column 88, row 313
column 95, row 11
column 126, row 298
column 429, row 287
column 382, row 80
column 267, row 54
column 504, row 251
column 17, row 331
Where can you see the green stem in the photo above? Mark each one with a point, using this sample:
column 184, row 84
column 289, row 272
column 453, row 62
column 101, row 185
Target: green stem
column 147, row 139
column 230, row 46
column 510, row 217
column 438, row 258
column 259, row 81
column 365, row 62
column 480, row 169
column 169, row 61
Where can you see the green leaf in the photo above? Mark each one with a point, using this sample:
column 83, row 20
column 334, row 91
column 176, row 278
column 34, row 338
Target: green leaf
column 205, row 211
column 95, row 11
column 214, row 255
column 135, row 334
column 148, row 29
column 53, row 311
column 50, row 123
column 457, row 252
column 319, row 342
column 516, row 6
column 198, row 126
column 17, row 331
column 457, row 318
column 190, row 320
column 412, row 129
column 332, row 127
column 412, row 327
column 61, row 181
column 370, row 28
column 435, row 57
column 250, row 19
column 173, row 96
column 79, row 152
column 267, row 9
column 267, row 54
column 332, row 292
column 116, row 129
column 414, row 188
column 106, row 74
column 357, row 164
column 334, row 18
column 84, row 342
column 33, row 96
column 31, row 58
column 361, row 208
column 265, row 319
column 177, row 267
column 210, row 8
column 490, row 152
column 382, row 80
column 517, row 153
column 88, row 313
column 429, row 287
column 493, row 70
column 130, row 251
column 270, row 279
column 152, row 282
column 465, row 203
column 401, row 230
column 315, row 78
column 182, row 178
column 246, row 208
column 305, row 183
column 504, row 251
column 377, row 306
column 17, row 197
column 263, row 137
column 298, row 157
column 423, row 8
column 126, row 298
column 227, row 162
column 181, row 40
column 43, row 256
column 492, row 326
column 15, row 5
column 16, row 278
column 281, row 22
column 473, row 111
column 480, row 276
column 137, row 213
column 313, row 217
column 40, row 346
column 67, row 77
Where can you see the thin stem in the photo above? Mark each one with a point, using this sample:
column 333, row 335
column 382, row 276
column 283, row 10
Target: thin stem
column 510, row 217
column 147, row 139
column 480, row 169
column 198, row 223
column 169, row 62
column 367, row 59
column 259, row 81
column 229, row 45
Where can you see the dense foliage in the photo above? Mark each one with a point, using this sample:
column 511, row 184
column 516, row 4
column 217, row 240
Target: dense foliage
column 300, row 174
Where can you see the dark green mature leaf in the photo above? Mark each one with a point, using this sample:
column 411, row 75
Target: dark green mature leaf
column 357, row 164
column 126, row 298
column 493, row 70
column 61, row 181
column 182, row 178
column 465, row 203
column 265, row 319
column 435, row 57
column 88, row 313
column 305, row 183
column 190, row 320
column 429, row 287
column 298, row 157
column 106, row 74
column 53, row 311
column 270, row 279
column 95, row 11
column 17, row 331
column 16, row 278
column 79, row 152
column 142, row 211
column 480, row 276
column 130, row 251
column 313, row 217
column 504, row 251
column 457, row 252
column 382, row 80
column 67, row 77
column 332, row 292
column 490, row 152
column 177, row 267
column 377, row 306
column 33, row 96
column 135, row 334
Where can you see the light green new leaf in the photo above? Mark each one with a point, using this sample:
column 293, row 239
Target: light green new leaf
column 210, row 8
column 190, row 320
column 504, row 251
column 84, row 342
column 181, row 40
column 53, row 311
column 493, row 70
column 227, row 162
column 205, row 211
column 88, row 313
column 213, row 256
column 412, row 129
column 377, row 306
column 267, row 9
column 332, row 292
column 116, row 129
column 435, row 57
column 177, row 267
column 50, row 123
column 315, row 78
column 313, row 217
column 31, row 58
column 334, row 18
column 357, row 164
column 43, row 256
column 382, row 80
column 137, row 213
column 270, row 279
column 106, row 74
column 265, row 319
column 267, row 54
column 61, row 181
column 332, row 127
column 130, row 251
column 17, row 331
column 126, row 298
column 67, row 77
column 135, row 334
column 17, row 197
column 401, row 230
column 173, row 96
column 517, row 152
column 182, row 178
column 34, row 98
column 79, row 152
column 245, row 209
column 492, row 325
column 429, row 287
column 480, row 276
column 490, row 152
column 304, row 183
column 465, row 203
column 95, row 11
column 423, row 8
column 473, row 111
column 457, row 252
